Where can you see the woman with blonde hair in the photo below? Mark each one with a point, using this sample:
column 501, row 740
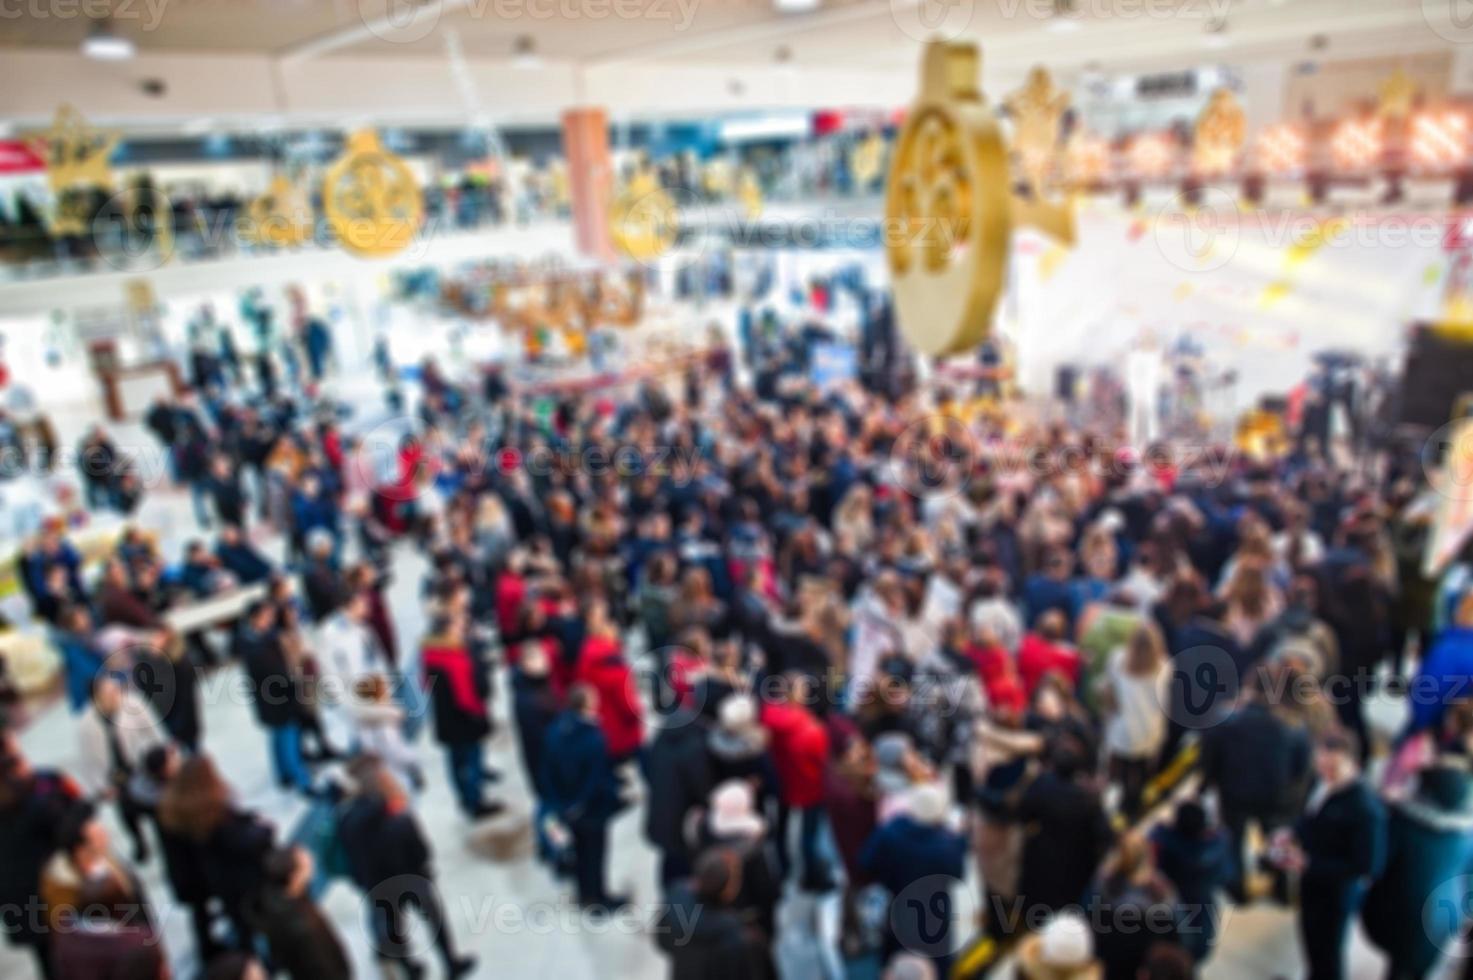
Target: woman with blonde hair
column 1133, row 694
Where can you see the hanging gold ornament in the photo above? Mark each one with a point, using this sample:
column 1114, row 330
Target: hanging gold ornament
column 76, row 160
column 949, row 209
column 282, row 216
column 1397, row 94
column 370, row 198
column 644, row 221
column 1219, row 135
column 867, row 160
column 1037, row 110
column 749, row 192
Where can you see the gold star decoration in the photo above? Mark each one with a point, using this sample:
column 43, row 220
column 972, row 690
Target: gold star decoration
column 1221, row 129
column 1397, row 92
column 1037, row 109
column 76, row 159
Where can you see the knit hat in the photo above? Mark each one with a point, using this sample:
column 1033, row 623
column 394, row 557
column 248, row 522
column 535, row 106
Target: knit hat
column 1062, row 950
column 732, row 813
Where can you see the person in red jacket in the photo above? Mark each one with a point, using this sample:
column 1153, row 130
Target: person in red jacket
column 799, row 744
column 1045, row 651
column 602, row 666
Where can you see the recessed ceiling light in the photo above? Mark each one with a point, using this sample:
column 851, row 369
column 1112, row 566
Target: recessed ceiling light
column 106, row 44
column 1062, row 25
column 795, row 6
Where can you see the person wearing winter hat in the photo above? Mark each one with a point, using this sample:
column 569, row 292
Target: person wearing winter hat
column 1062, row 950
column 732, row 823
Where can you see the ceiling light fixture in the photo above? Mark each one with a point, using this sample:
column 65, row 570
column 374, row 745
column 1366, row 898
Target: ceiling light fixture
column 524, row 52
column 104, row 43
column 795, row 6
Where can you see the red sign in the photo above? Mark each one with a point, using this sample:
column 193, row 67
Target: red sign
column 18, row 158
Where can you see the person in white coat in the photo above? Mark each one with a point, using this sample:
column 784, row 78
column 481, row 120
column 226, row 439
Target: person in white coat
column 346, row 652
column 115, row 733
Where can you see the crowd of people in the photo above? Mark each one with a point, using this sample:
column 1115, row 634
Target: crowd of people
column 829, row 644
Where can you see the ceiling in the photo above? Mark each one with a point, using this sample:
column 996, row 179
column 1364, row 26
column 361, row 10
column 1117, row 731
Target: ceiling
column 1110, row 34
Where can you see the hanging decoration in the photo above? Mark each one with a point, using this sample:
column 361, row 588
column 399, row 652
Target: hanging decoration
column 1397, row 94
column 1220, row 132
column 749, row 193
column 949, row 198
column 370, row 198
column 76, row 158
column 867, row 160
column 282, row 216
column 1036, row 110
column 644, row 220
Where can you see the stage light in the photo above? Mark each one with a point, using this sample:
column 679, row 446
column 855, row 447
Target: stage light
column 1357, row 143
column 1439, row 139
column 1151, row 154
column 1281, row 149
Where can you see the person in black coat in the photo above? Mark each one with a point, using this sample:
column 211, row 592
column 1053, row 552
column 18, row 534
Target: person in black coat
column 534, row 707
column 239, row 558
column 459, row 686
column 390, row 860
column 232, row 843
column 33, row 804
column 700, row 930
column 677, row 767
column 226, row 493
column 183, row 857
column 581, row 790
column 1339, row 847
column 303, row 943
column 1259, row 765
column 273, row 693
column 1067, row 832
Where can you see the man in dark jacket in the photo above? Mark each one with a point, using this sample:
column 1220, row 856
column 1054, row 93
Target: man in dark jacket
column 580, row 788
column 226, row 493
column 303, row 943
column 274, row 693
column 1067, row 832
column 918, row 859
column 1341, row 847
column 239, row 558
column 534, row 706
column 678, row 770
column 1259, row 766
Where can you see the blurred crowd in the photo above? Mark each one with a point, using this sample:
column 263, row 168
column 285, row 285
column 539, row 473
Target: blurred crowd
column 833, row 648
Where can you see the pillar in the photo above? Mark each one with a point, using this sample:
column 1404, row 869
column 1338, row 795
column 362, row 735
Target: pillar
column 590, row 179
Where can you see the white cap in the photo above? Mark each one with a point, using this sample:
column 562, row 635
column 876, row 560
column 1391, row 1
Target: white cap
column 928, row 804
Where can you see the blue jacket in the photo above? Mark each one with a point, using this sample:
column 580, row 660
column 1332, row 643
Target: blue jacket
column 917, row 864
column 1443, row 677
column 1042, row 593
column 244, row 562
column 1200, row 868
column 578, row 784
column 1418, row 907
column 81, row 661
